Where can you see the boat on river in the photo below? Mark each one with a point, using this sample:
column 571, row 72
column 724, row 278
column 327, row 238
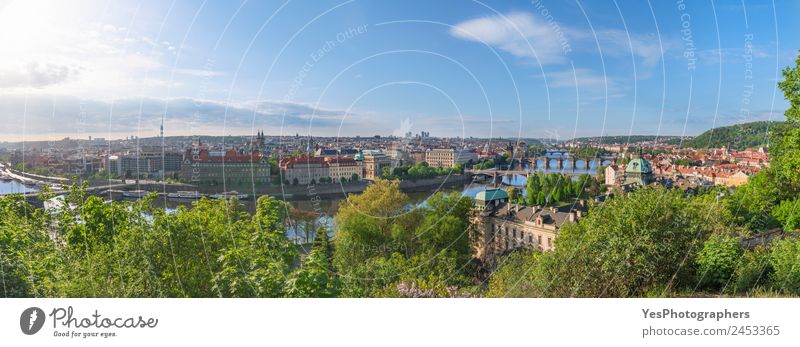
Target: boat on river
column 134, row 194
column 231, row 194
column 185, row 195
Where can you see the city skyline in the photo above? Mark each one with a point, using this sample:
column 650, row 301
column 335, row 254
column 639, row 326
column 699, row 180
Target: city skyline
column 530, row 69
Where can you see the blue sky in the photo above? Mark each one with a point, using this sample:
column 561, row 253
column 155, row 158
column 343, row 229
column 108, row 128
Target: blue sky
column 454, row 68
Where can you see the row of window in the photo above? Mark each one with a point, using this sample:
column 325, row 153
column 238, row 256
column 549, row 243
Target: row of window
column 512, row 237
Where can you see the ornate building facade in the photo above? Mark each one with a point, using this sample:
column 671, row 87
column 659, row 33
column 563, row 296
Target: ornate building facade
column 503, row 227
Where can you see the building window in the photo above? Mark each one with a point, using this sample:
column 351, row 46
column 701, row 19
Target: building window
column 549, row 242
column 539, row 240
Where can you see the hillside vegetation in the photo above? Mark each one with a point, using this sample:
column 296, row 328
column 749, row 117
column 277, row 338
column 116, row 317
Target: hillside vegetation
column 738, row 137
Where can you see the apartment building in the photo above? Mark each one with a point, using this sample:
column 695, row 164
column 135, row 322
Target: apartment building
column 449, row 157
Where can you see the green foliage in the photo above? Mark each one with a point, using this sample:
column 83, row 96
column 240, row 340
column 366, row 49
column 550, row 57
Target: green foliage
column 536, row 150
column 788, row 214
column 514, row 275
column 41, row 171
column 738, row 137
column 550, row 189
column 791, row 91
column 587, row 152
column 258, row 257
column 486, row 164
column 381, row 244
column 86, row 247
column 753, row 271
column 751, row 204
column 629, row 246
column 513, row 194
column 317, row 277
column 718, row 260
column 419, row 171
column 785, row 257
column 626, row 139
column 27, row 256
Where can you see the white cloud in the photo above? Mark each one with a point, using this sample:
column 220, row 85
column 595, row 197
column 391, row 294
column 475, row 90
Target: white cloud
column 531, row 36
column 731, row 55
column 36, row 75
column 39, row 116
column 646, row 47
column 68, row 48
column 518, row 33
column 199, row 72
column 582, row 78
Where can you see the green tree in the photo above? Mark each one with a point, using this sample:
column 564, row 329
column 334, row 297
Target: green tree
column 718, row 260
column 513, row 194
column 751, row 204
column 643, row 243
column 788, row 214
column 28, row 258
column 317, row 277
column 533, row 187
column 785, row 144
column 382, row 246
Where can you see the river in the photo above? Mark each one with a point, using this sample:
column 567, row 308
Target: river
column 14, row 187
column 311, row 213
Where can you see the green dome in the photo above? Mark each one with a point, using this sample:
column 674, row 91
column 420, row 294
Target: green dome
column 639, row 165
column 491, row 194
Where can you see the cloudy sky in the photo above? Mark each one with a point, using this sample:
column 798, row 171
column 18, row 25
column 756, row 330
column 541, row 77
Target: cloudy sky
column 453, row 68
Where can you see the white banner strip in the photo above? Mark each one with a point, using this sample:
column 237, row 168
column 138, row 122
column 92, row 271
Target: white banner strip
column 399, row 322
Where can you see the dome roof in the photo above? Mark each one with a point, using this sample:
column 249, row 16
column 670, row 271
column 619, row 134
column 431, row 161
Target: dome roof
column 491, row 194
column 639, row 165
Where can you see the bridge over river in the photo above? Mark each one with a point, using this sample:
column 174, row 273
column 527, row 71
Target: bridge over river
column 497, row 174
column 560, row 162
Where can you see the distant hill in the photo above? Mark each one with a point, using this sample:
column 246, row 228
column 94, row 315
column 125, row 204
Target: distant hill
column 738, row 137
column 630, row 139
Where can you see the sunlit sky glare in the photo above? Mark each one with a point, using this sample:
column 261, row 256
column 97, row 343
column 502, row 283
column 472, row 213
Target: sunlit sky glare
column 508, row 69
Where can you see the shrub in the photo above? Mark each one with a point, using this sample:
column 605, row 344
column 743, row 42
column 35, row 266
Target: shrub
column 785, row 258
column 718, row 260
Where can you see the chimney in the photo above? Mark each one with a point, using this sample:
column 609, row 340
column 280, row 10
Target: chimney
column 571, row 216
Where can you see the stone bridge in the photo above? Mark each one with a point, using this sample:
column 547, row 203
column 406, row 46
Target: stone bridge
column 559, row 163
column 497, row 174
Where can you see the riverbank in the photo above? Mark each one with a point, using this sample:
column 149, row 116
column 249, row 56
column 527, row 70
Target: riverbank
column 29, row 178
column 302, row 192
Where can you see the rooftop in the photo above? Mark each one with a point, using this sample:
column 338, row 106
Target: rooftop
column 491, row 194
